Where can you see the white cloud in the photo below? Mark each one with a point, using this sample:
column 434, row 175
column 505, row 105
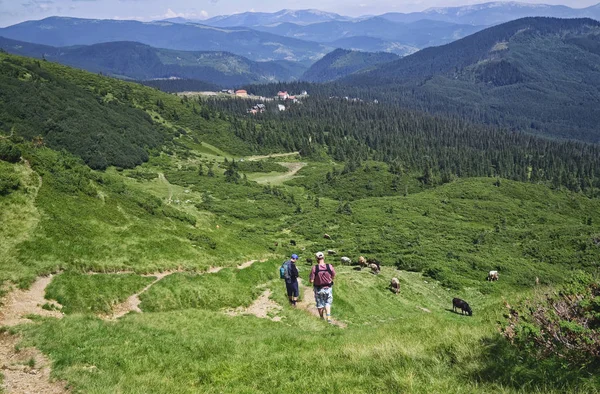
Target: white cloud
column 187, row 15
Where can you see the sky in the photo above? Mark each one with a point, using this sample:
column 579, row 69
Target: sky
column 15, row 11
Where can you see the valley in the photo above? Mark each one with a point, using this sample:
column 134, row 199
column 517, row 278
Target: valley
column 142, row 232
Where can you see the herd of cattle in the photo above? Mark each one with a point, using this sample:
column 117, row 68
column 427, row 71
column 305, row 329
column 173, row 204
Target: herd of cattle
column 373, row 265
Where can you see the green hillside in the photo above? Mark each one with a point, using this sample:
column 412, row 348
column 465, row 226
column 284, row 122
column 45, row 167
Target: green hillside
column 537, row 75
column 341, row 63
column 177, row 229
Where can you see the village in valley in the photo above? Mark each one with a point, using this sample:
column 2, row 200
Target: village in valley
column 282, row 97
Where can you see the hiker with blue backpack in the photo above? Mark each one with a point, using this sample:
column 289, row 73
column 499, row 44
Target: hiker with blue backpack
column 321, row 276
column 289, row 272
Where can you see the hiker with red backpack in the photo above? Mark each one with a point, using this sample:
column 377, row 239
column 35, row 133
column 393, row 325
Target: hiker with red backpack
column 321, row 276
column 289, row 272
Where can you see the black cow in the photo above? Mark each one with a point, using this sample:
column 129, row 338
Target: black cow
column 457, row 303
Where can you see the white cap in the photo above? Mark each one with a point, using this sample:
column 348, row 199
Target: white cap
column 319, row 255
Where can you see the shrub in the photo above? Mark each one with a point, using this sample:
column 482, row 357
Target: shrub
column 9, row 180
column 563, row 325
column 9, row 152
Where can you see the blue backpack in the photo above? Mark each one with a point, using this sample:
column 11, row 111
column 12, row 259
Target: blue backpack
column 284, row 270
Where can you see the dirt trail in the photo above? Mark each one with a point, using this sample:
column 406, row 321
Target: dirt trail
column 282, row 177
column 262, row 307
column 253, row 158
column 19, row 303
column 249, row 263
column 26, row 370
column 132, row 303
column 308, row 304
column 161, row 178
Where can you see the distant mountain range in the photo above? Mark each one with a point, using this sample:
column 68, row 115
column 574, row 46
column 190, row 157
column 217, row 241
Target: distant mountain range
column 301, row 36
column 342, row 62
column 494, row 13
column 286, row 41
column 302, row 17
column 490, row 13
column 256, row 45
column 137, row 61
column 538, row 74
column 418, row 34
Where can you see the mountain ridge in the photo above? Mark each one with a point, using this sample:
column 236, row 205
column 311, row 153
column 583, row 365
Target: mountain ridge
column 62, row 31
column 133, row 60
column 342, row 62
column 502, row 71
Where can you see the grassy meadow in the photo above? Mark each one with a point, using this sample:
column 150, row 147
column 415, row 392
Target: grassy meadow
column 186, row 211
column 440, row 242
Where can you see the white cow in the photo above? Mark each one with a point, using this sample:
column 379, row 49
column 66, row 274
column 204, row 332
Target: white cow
column 493, row 276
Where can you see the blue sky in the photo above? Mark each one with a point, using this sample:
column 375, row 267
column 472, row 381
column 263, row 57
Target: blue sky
column 15, row 11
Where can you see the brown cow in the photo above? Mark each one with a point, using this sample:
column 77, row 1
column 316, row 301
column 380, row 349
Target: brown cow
column 395, row 285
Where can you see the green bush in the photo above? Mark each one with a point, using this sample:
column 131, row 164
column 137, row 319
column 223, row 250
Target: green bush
column 9, row 152
column 9, row 180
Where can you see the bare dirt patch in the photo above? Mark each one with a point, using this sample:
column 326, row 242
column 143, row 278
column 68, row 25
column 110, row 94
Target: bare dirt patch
column 26, row 370
column 262, row 307
column 19, row 303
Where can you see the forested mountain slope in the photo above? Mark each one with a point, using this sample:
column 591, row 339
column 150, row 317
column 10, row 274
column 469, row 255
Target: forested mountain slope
column 341, row 63
column 137, row 61
column 533, row 74
column 103, row 121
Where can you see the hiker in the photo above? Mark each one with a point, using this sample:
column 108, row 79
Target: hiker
column 291, row 279
column 321, row 276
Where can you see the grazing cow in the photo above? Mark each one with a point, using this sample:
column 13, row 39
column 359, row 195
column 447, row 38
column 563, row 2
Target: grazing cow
column 362, row 262
column 309, row 260
column 457, row 303
column 326, row 236
column 331, row 252
column 293, row 242
column 346, row 260
column 375, row 268
column 395, row 285
column 493, row 276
